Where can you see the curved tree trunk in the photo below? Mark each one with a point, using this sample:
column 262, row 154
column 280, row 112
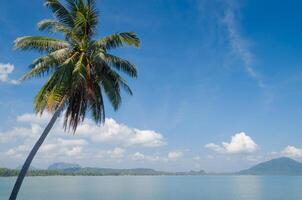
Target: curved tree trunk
column 32, row 154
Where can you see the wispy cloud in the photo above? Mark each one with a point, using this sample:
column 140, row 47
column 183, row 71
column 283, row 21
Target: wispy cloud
column 5, row 71
column 240, row 44
column 222, row 21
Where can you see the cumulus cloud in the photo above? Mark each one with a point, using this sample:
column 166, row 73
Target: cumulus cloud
column 33, row 118
column 111, row 132
column 138, row 156
column 18, row 151
column 175, row 155
column 79, row 142
column 17, row 142
column 215, row 147
column 20, row 133
column 240, row 143
column 5, row 70
column 293, row 152
column 116, row 133
column 74, row 151
column 52, row 149
column 116, row 153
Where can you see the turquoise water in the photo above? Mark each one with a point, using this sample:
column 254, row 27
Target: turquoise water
column 157, row 188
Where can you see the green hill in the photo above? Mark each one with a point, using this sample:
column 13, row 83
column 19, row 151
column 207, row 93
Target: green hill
column 66, row 169
column 278, row 166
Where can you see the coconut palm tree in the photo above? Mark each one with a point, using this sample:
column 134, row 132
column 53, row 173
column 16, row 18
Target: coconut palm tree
column 80, row 69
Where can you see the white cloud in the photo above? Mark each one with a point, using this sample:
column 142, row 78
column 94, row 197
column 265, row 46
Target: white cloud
column 46, row 148
column 240, row 143
column 17, row 142
column 79, row 142
column 111, row 132
column 196, row 158
column 33, row 118
column 53, row 149
column 175, row 155
column 20, row 133
column 147, row 138
column 74, row 151
column 116, row 133
column 5, row 70
column 116, row 153
column 215, row 147
column 137, row 156
column 18, row 151
column 11, row 152
column 293, row 152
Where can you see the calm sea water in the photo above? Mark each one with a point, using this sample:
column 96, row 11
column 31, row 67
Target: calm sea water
column 157, row 188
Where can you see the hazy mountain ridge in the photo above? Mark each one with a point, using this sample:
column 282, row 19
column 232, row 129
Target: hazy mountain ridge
column 63, row 166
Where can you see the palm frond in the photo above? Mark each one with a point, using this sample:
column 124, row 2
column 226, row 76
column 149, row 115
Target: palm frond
column 52, row 26
column 46, row 64
column 85, row 21
column 112, row 89
column 80, row 21
column 53, row 91
column 121, row 64
column 92, row 16
column 112, row 83
column 120, row 81
column 61, row 13
column 40, row 43
column 97, row 105
column 119, row 40
column 79, row 71
column 77, row 103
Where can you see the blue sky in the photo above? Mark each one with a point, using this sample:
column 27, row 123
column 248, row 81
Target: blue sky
column 218, row 88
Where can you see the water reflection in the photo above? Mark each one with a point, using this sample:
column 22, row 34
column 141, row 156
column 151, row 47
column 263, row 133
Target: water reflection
column 157, row 188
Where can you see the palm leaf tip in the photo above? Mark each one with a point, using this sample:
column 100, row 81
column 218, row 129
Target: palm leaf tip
column 131, row 38
column 119, row 40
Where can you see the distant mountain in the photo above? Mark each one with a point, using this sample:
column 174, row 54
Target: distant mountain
column 278, row 166
column 64, row 166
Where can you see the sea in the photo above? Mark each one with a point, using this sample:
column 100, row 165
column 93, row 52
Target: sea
column 156, row 188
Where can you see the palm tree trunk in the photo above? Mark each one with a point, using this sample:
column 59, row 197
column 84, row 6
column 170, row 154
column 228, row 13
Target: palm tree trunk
column 32, row 154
